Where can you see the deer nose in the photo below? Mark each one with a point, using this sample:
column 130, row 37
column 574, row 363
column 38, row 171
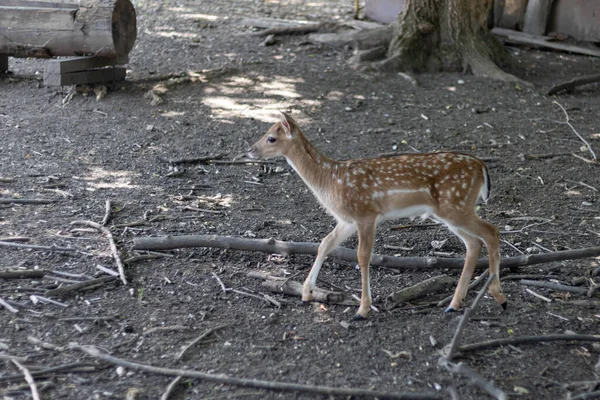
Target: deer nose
column 251, row 152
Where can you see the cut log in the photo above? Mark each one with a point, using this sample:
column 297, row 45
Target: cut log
column 43, row 29
column 421, row 289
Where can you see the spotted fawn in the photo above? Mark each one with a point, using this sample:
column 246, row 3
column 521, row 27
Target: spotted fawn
column 362, row 193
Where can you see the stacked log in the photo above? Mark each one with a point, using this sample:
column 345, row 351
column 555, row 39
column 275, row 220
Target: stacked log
column 50, row 28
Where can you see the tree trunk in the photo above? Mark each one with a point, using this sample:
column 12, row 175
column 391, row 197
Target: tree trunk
column 438, row 35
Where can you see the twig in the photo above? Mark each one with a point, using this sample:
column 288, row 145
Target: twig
column 198, row 339
column 220, row 282
column 473, row 285
column 491, row 344
column 25, row 274
column 255, row 383
column 44, row 345
column 477, row 379
column 14, row 239
column 576, row 133
column 8, row 307
column 106, row 213
column 254, row 296
column 108, row 270
column 172, row 328
column 6, row 180
column 555, row 286
column 35, row 298
column 111, row 241
column 61, row 291
column 586, row 160
column 527, row 276
column 539, row 296
column 35, row 247
column 194, row 160
column 171, row 388
column 573, row 83
column 45, row 371
column 465, row 318
column 289, row 248
column 94, row 319
column 27, row 201
column 587, row 396
column 29, row 379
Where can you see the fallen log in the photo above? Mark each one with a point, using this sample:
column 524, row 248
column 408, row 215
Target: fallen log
column 421, row 289
column 343, row 253
column 44, row 29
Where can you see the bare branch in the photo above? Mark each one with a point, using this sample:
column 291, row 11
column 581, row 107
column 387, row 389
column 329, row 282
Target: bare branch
column 255, row 383
column 574, row 131
column 289, row 248
column 111, row 241
column 491, row 344
column 29, row 379
column 465, row 318
column 198, row 339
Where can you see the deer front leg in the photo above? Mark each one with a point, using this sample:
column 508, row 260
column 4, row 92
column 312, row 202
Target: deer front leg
column 366, row 238
column 341, row 232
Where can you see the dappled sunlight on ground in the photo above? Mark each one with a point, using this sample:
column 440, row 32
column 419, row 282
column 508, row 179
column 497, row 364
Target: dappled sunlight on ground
column 258, row 97
column 100, row 178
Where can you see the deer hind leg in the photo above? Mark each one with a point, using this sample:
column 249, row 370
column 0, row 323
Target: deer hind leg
column 490, row 236
column 473, row 245
column 366, row 239
column 341, row 232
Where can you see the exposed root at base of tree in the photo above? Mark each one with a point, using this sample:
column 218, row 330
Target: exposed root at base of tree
column 373, row 53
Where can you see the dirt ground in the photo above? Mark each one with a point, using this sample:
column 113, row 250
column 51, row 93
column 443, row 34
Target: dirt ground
column 81, row 152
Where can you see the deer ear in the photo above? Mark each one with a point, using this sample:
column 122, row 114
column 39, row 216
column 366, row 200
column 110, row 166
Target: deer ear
column 286, row 123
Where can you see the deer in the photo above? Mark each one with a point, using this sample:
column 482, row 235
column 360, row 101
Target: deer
column 361, row 193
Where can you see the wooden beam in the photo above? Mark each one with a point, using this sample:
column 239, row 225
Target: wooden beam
column 511, row 36
column 85, row 77
column 76, row 64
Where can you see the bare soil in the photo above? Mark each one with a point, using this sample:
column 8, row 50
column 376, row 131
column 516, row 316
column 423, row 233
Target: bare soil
column 83, row 151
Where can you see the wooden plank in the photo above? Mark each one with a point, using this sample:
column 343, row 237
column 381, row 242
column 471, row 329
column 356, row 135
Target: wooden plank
column 85, row 77
column 508, row 35
column 536, row 16
column 76, row 64
column 513, row 12
column 269, row 23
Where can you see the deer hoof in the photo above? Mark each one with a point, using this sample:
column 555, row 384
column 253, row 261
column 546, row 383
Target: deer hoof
column 358, row 317
column 450, row 309
column 504, row 305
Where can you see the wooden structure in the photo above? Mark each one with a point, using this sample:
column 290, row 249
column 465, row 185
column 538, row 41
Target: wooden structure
column 103, row 30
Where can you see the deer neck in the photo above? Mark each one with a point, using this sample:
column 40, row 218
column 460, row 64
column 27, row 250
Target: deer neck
column 316, row 169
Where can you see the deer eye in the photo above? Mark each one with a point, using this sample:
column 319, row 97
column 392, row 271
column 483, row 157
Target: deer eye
column 271, row 139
